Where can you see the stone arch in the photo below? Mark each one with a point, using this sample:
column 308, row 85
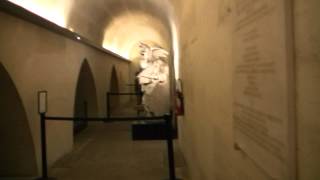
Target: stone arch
column 86, row 97
column 17, row 154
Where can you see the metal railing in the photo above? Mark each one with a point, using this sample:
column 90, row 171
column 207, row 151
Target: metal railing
column 108, row 100
column 43, row 118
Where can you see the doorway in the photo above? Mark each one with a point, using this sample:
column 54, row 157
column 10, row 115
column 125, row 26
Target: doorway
column 86, row 97
column 17, row 155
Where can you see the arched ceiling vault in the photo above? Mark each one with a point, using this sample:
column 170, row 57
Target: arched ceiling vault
column 117, row 25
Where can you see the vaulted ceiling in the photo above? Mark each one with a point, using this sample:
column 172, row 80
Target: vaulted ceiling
column 117, row 25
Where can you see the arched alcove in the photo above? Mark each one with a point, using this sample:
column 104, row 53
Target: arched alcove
column 17, row 155
column 86, row 97
column 114, row 83
column 114, row 88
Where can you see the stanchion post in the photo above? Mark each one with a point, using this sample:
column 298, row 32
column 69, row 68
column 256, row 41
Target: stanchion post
column 43, row 146
column 168, row 120
column 42, row 109
column 85, row 109
column 108, row 105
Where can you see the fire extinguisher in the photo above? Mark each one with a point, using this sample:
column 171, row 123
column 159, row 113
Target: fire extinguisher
column 179, row 99
column 179, row 104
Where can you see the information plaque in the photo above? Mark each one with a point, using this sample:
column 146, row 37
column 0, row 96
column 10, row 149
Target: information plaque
column 261, row 85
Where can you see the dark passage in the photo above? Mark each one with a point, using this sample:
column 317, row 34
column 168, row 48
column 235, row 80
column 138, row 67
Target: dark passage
column 86, row 97
column 17, row 156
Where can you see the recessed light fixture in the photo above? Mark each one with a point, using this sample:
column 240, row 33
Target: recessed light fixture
column 78, row 37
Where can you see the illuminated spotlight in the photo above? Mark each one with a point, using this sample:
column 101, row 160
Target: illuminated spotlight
column 78, row 37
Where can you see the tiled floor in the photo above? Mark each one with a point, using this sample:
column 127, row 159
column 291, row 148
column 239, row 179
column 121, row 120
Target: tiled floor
column 106, row 152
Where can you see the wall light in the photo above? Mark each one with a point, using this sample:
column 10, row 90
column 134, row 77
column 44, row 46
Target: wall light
column 42, row 102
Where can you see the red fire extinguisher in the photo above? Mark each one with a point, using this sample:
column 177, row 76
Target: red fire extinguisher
column 179, row 99
column 179, row 104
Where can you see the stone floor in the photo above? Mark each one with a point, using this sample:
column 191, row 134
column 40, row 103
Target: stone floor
column 106, row 152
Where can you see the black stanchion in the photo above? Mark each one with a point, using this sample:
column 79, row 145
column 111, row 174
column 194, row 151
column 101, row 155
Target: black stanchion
column 44, row 161
column 44, row 146
column 85, row 108
column 108, row 105
column 170, row 149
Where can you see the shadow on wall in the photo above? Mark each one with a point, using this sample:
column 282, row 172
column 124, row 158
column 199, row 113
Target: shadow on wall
column 114, row 88
column 17, row 155
column 86, row 97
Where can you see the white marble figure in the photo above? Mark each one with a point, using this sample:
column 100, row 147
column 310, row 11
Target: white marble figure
column 154, row 79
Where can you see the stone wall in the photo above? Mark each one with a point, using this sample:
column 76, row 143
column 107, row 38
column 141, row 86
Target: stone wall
column 207, row 57
column 307, row 45
column 37, row 59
